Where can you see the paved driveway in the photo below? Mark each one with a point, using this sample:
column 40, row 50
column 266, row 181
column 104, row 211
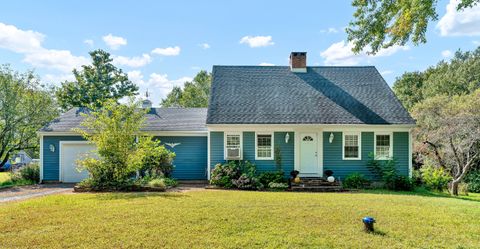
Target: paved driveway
column 26, row 192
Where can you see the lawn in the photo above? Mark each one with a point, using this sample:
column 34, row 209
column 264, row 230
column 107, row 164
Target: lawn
column 236, row 219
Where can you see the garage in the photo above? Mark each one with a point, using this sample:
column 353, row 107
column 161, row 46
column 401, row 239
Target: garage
column 70, row 153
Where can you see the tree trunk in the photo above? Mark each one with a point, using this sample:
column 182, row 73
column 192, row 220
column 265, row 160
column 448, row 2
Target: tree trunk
column 453, row 187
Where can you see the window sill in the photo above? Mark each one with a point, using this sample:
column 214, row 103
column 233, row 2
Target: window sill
column 263, row 159
column 352, row 159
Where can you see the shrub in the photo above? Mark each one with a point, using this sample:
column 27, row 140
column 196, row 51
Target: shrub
column 355, row 181
column 30, row 172
column 268, row 177
column 401, row 183
column 157, row 183
column 277, row 185
column 224, row 174
column 157, row 160
column 247, row 182
column 386, row 171
column 434, row 178
column 473, row 181
column 170, row 182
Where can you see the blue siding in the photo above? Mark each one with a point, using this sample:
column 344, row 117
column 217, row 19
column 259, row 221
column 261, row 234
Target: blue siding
column 286, row 150
column 400, row 151
column 51, row 164
column 191, row 157
column 332, row 154
column 216, row 148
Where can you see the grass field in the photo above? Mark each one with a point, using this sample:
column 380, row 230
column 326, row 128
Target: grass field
column 235, row 219
column 5, row 178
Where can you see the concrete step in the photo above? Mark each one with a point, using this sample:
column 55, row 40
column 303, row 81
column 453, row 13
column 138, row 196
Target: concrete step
column 316, row 189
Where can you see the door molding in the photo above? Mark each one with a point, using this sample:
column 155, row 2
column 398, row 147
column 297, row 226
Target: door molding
column 298, row 136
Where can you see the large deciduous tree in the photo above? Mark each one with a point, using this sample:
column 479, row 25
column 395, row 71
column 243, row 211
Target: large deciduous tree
column 459, row 76
column 449, row 128
column 25, row 106
column 381, row 24
column 194, row 94
column 95, row 84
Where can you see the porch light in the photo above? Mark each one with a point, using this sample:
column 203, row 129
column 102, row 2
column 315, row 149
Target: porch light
column 287, row 137
column 52, row 148
column 330, row 139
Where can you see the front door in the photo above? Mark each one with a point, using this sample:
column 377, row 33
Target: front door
column 308, row 153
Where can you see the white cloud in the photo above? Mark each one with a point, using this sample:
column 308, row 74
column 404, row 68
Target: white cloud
column 386, row 72
column 329, row 30
column 62, row 60
column 132, row 61
column 447, row 53
column 56, row 79
column 89, row 42
column 20, row 41
column 159, row 85
column 204, row 45
column 477, row 43
column 114, row 42
column 460, row 23
column 29, row 43
column 340, row 54
column 168, row 51
column 266, row 64
column 257, row 41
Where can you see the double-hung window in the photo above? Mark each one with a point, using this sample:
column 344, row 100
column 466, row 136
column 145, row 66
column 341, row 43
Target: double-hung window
column 264, row 146
column 352, row 146
column 383, row 146
column 233, row 146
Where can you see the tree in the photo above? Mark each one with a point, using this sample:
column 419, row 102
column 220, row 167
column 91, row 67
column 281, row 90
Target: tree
column 194, row 94
column 459, row 76
column 95, row 84
column 381, row 24
column 113, row 128
column 25, row 107
column 123, row 149
column 449, row 127
column 408, row 88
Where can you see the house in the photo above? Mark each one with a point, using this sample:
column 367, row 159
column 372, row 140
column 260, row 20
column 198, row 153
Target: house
column 315, row 118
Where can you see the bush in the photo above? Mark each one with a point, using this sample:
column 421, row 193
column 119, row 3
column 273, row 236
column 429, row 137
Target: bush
column 473, row 181
column 224, row 174
column 434, row 178
column 246, row 181
column 170, row 182
column 157, row 183
column 401, row 183
column 355, row 181
column 277, row 185
column 30, row 172
column 271, row 177
column 157, row 160
column 387, row 172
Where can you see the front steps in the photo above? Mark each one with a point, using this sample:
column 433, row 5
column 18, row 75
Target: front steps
column 316, row 184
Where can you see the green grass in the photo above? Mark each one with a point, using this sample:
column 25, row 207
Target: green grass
column 6, row 180
column 236, row 219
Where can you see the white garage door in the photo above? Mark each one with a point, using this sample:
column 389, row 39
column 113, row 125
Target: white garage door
column 70, row 153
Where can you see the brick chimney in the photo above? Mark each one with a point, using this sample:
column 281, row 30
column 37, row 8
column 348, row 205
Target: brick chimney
column 298, row 62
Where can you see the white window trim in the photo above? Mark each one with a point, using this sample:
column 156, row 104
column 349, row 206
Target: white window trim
column 256, row 146
column 225, row 143
column 359, row 134
column 390, row 153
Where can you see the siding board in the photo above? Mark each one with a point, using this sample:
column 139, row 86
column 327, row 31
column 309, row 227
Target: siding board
column 51, row 163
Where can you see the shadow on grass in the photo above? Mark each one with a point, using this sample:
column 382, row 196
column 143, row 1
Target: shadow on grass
column 137, row 195
column 421, row 192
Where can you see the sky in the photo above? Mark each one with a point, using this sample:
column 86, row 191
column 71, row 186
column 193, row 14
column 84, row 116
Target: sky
column 162, row 44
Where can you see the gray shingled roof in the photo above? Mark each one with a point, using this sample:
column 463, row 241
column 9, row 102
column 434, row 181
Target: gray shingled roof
column 322, row 95
column 158, row 119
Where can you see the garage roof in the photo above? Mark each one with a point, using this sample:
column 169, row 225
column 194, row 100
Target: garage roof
column 158, row 119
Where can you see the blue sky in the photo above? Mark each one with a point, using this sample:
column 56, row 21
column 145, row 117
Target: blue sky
column 162, row 44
